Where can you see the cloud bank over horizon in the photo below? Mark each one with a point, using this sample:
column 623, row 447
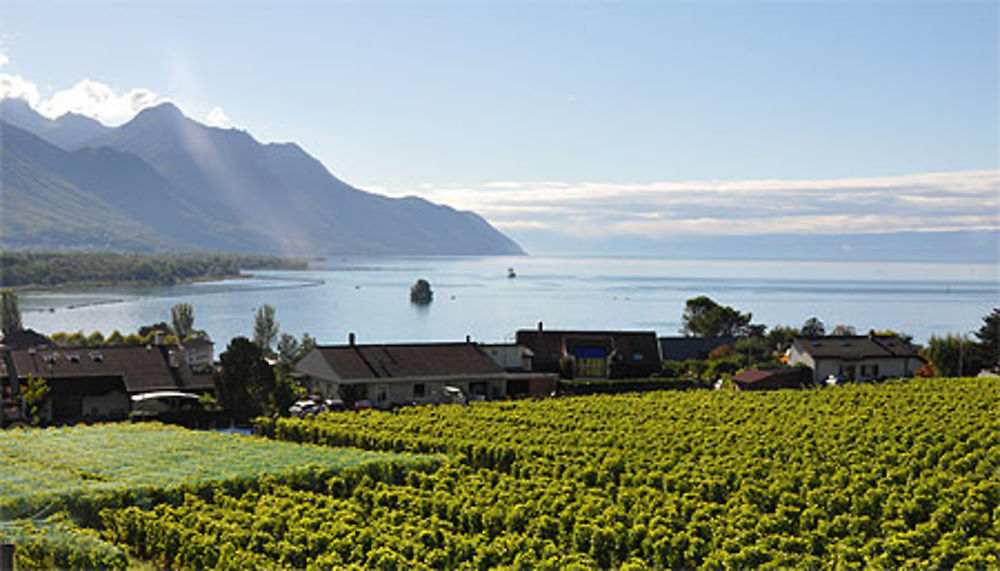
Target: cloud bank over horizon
column 928, row 202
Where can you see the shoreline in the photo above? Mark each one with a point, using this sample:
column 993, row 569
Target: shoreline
column 295, row 283
column 117, row 283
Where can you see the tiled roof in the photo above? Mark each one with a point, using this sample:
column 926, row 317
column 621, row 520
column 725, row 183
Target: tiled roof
column 142, row 369
column 408, row 360
column 855, row 347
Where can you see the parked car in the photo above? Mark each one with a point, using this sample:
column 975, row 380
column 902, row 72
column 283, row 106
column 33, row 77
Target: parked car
column 315, row 405
column 305, row 407
column 454, row 395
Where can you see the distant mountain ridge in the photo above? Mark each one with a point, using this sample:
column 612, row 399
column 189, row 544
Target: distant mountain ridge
column 163, row 181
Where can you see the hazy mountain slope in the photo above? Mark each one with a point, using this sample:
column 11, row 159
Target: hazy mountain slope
column 69, row 131
column 283, row 200
column 41, row 209
column 128, row 186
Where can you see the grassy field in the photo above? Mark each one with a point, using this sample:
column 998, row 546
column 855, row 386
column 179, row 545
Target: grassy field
column 39, row 467
column 55, row 482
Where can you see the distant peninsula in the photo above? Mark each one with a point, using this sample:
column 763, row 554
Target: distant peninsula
column 163, row 182
column 28, row 269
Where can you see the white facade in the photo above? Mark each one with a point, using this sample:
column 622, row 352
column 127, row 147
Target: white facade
column 199, row 353
column 858, row 368
column 389, row 393
column 510, row 356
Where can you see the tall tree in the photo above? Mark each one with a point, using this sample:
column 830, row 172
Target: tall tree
column 288, row 349
column 265, row 328
column 10, row 312
column 244, row 381
column 182, row 316
column 989, row 339
column 953, row 355
column 844, row 331
column 781, row 336
column 703, row 317
column 308, row 343
column 813, row 327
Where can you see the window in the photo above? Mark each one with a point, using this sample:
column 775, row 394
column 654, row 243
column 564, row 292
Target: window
column 419, row 390
column 637, row 356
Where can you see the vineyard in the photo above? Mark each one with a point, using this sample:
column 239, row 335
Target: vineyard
column 903, row 474
column 906, row 474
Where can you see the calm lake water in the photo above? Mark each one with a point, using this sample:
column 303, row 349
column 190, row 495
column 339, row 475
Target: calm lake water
column 474, row 296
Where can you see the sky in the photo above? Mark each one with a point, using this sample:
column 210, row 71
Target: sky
column 617, row 118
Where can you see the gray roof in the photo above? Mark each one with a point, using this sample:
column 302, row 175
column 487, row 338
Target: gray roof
column 141, row 368
column 852, row 347
column 408, row 360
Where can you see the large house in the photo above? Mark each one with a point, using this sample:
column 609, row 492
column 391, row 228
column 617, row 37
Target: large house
column 856, row 357
column 593, row 354
column 390, row 375
column 102, row 383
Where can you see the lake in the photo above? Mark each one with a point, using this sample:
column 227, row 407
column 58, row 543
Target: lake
column 474, row 296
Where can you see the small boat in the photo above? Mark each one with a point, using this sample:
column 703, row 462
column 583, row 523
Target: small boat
column 510, row 273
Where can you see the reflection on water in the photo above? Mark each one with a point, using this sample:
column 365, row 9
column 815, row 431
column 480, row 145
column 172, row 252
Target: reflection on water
column 474, row 296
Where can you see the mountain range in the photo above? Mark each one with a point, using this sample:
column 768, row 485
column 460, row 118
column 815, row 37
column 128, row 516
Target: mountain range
column 165, row 182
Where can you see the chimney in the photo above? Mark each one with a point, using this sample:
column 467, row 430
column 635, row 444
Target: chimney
column 350, row 339
column 539, row 326
column 158, row 338
column 468, row 338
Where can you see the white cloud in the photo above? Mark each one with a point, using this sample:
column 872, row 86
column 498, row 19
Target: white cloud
column 16, row 87
column 4, row 60
column 99, row 101
column 90, row 98
column 966, row 200
column 217, row 118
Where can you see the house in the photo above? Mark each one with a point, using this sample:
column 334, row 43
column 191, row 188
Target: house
column 684, row 348
column 199, row 352
column 593, row 354
column 856, row 357
column 101, row 383
column 760, row 380
column 512, row 357
column 390, row 375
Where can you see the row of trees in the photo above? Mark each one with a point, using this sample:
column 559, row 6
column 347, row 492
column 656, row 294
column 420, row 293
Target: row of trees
column 959, row 355
column 703, row 317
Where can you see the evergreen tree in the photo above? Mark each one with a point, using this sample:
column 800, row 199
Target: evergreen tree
column 265, row 328
column 182, row 316
column 245, row 382
column 10, row 312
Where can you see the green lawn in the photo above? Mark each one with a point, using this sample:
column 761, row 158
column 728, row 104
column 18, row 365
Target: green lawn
column 41, row 466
